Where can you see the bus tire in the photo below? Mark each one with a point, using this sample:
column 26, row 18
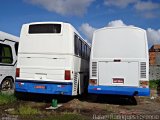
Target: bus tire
column 7, row 86
column 132, row 100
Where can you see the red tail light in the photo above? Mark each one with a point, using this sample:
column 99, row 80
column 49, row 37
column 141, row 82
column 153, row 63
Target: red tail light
column 93, row 81
column 67, row 75
column 144, row 84
column 17, row 72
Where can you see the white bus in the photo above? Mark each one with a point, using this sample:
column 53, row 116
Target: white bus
column 8, row 60
column 52, row 59
column 119, row 62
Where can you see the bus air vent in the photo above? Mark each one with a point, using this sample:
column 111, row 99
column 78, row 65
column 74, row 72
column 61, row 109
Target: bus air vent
column 94, row 69
column 143, row 70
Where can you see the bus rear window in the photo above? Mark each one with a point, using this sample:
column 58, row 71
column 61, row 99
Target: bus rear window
column 44, row 28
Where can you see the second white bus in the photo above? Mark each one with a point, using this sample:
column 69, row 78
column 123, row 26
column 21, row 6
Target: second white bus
column 119, row 62
column 52, row 59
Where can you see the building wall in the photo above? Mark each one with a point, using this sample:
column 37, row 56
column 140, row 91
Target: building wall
column 154, row 62
column 152, row 57
column 157, row 58
column 154, row 72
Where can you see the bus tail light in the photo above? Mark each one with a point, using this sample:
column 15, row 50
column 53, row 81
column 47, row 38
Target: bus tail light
column 17, row 72
column 144, row 84
column 67, row 75
column 93, row 81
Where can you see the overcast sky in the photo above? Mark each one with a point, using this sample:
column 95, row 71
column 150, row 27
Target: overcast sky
column 85, row 15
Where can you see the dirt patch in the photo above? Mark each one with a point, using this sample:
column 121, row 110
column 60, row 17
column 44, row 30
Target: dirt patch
column 86, row 107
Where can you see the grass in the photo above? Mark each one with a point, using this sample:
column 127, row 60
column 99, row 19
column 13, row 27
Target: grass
column 26, row 110
column 66, row 116
column 154, row 83
column 7, row 98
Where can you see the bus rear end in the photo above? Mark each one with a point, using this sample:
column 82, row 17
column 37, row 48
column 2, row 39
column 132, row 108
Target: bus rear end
column 119, row 62
column 44, row 60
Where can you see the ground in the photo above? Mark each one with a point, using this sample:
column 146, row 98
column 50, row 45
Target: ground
column 84, row 107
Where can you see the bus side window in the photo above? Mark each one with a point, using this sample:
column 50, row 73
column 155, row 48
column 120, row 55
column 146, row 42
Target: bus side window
column 16, row 47
column 0, row 53
column 76, row 44
column 80, row 47
column 83, row 50
column 88, row 53
column 5, row 54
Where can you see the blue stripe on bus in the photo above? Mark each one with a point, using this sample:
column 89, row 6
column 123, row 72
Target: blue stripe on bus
column 44, row 88
column 44, row 82
column 118, row 90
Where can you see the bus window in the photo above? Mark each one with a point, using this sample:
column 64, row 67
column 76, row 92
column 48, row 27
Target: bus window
column 80, row 47
column 44, row 28
column 5, row 54
column 83, row 50
column 76, row 44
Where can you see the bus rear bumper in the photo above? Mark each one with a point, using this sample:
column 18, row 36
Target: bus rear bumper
column 43, row 88
column 119, row 90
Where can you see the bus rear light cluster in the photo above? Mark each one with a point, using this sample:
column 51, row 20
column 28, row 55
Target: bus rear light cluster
column 17, row 72
column 67, row 75
column 144, row 84
column 93, row 81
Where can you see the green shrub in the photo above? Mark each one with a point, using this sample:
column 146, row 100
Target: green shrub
column 154, row 83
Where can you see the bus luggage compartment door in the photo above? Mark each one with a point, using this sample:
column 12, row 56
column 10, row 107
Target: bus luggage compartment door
column 118, row 73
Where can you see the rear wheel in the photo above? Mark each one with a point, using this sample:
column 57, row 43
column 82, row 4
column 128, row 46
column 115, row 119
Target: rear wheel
column 132, row 100
column 7, row 85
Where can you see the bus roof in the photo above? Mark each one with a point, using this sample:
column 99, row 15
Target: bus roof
column 51, row 22
column 6, row 36
column 119, row 27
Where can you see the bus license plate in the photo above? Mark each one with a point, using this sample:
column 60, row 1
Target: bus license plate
column 40, row 87
column 118, row 80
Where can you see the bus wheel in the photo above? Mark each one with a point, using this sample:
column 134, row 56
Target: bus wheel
column 7, row 85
